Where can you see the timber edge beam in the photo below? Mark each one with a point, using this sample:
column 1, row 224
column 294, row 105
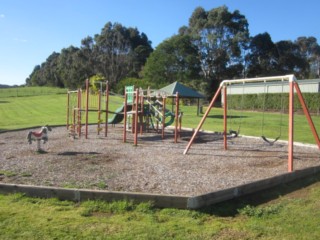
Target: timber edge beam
column 160, row 201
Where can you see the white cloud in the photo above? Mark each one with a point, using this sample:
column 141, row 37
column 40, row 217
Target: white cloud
column 2, row 15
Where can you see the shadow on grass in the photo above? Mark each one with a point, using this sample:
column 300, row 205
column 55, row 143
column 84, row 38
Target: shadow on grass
column 77, row 153
column 219, row 116
column 230, row 208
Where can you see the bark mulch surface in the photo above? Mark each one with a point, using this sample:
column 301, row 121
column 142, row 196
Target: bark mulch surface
column 154, row 166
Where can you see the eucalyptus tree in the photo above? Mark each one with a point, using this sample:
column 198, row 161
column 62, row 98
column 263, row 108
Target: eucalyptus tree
column 262, row 59
column 221, row 38
column 70, row 68
column 291, row 61
column 310, row 50
column 117, row 51
column 46, row 74
column 175, row 59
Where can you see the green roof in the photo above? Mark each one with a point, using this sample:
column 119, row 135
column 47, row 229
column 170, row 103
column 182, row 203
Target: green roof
column 184, row 91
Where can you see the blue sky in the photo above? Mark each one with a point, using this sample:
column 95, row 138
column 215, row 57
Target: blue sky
column 30, row 30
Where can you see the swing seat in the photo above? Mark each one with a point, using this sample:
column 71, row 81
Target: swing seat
column 234, row 133
column 268, row 141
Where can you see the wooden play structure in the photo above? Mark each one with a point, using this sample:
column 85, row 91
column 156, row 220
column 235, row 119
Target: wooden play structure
column 290, row 83
column 142, row 110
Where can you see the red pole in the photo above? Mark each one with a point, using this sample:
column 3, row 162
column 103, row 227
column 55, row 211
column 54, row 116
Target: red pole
column 79, row 112
column 68, row 108
column 225, row 121
column 307, row 114
column 99, row 111
column 176, row 123
column 290, row 133
column 177, row 119
column 141, row 113
column 163, row 116
column 125, row 118
column 87, row 106
column 202, row 120
column 136, row 119
column 107, row 109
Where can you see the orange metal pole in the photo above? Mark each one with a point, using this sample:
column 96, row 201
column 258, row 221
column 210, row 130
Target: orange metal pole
column 163, row 116
column 107, row 110
column 177, row 119
column 307, row 114
column 125, row 118
column 79, row 112
column 87, row 106
column 68, row 108
column 202, row 120
column 99, row 111
column 290, row 133
column 141, row 113
column 225, row 121
column 136, row 119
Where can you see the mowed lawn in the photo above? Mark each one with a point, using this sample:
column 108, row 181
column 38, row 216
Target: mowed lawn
column 291, row 211
column 31, row 111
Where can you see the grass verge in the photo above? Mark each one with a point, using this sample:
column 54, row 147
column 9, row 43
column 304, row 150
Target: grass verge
column 290, row 211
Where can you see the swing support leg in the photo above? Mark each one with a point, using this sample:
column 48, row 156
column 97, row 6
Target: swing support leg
column 225, row 107
column 290, row 133
column 202, row 120
column 307, row 114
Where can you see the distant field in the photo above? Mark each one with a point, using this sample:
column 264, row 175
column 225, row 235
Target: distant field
column 28, row 111
column 30, row 91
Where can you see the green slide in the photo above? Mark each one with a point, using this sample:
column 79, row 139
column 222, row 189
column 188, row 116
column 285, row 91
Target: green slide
column 118, row 115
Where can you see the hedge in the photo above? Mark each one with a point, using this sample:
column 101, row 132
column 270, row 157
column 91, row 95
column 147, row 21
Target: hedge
column 272, row 102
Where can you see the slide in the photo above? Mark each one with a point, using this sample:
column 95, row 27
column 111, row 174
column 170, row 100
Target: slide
column 118, row 115
column 167, row 114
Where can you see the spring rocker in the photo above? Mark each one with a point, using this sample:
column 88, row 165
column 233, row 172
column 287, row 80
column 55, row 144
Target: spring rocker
column 38, row 136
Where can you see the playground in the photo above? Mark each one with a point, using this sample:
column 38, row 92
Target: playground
column 139, row 155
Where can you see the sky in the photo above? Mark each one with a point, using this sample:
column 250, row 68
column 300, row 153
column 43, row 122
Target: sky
column 31, row 30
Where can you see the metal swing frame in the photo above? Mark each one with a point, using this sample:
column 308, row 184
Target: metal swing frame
column 293, row 85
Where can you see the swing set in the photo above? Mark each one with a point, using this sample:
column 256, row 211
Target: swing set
column 286, row 80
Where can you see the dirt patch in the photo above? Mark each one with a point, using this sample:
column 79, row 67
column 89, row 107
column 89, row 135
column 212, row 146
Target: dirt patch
column 154, row 166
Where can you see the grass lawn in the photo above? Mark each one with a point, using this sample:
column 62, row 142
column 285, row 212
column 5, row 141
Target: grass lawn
column 291, row 211
column 22, row 112
column 280, row 213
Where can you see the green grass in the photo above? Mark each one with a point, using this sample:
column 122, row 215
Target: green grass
column 23, row 112
column 279, row 213
column 30, row 91
column 288, row 212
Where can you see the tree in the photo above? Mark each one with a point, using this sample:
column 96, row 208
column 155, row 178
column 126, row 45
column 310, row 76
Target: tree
column 70, row 68
column 47, row 73
column 310, row 50
column 117, row 50
column 291, row 61
column 175, row 59
column 263, row 56
column 221, row 38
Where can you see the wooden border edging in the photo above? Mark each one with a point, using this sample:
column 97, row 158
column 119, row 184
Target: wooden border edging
column 162, row 201
column 77, row 195
column 245, row 189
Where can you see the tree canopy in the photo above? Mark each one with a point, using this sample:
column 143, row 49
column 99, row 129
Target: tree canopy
column 216, row 45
